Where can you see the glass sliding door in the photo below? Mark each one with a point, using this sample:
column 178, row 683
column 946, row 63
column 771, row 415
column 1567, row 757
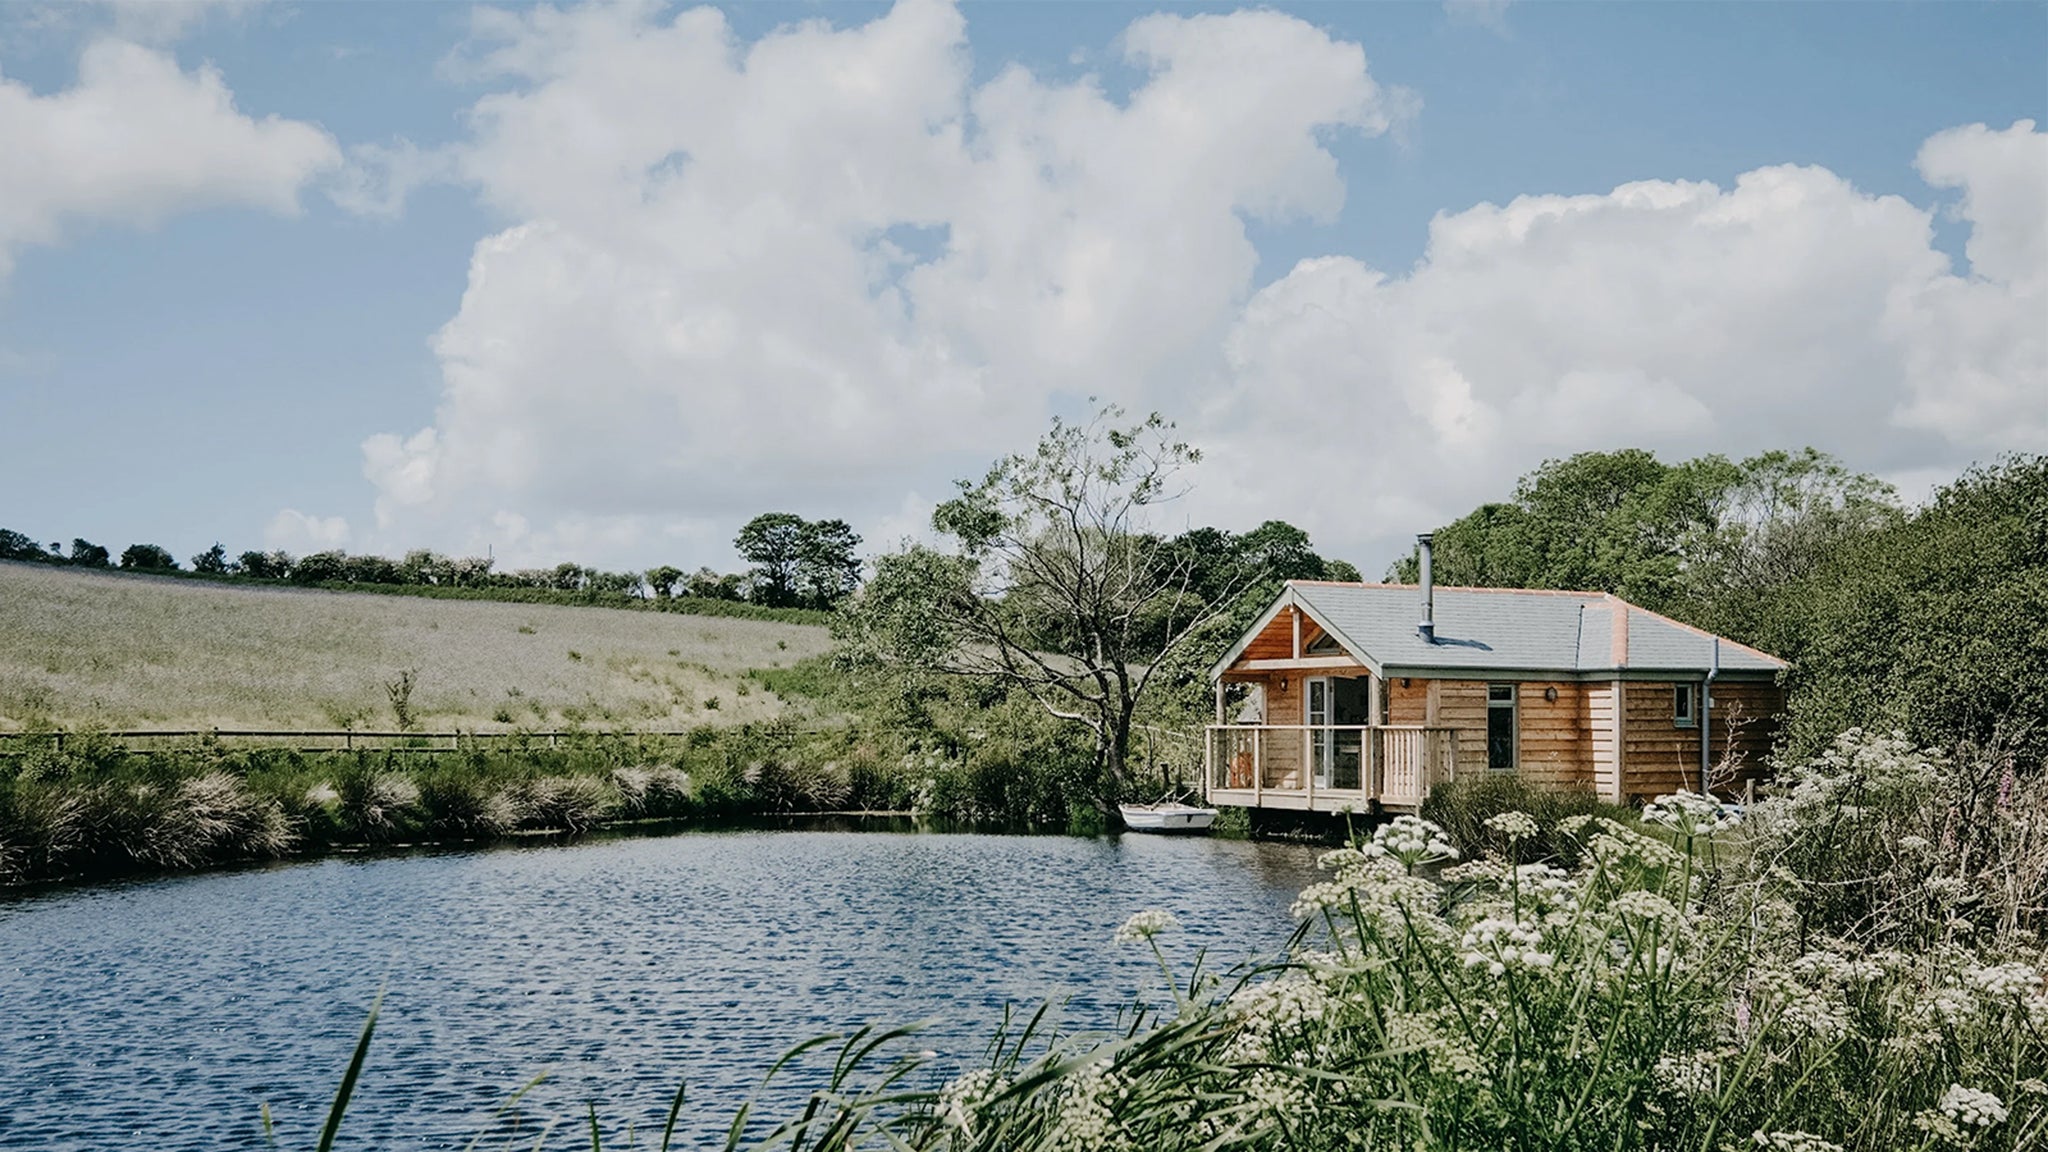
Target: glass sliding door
column 1320, row 748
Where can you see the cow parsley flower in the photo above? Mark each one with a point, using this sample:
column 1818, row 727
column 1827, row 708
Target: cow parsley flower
column 2000, row 981
column 1689, row 814
column 1693, row 1074
column 962, row 1100
column 1145, row 925
column 1794, row 1142
column 1970, row 1108
column 1412, row 841
column 1498, row 945
column 1514, row 826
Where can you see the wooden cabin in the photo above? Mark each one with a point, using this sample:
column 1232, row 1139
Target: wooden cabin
column 1346, row 696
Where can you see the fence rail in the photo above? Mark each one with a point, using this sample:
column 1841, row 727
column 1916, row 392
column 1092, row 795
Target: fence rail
column 319, row 740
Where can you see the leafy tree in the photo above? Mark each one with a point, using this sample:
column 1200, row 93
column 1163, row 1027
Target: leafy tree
column 664, row 580
column 372, row 570
column 773, row 543
column 148, row 558
column 330, row 567
column 212, row 562
column 827, row 571
column 1930, row 621
column 706, row 584
column 87, row 554
column 567, row 577
column 15, row 546
column 265, row 565
column 1053, row 588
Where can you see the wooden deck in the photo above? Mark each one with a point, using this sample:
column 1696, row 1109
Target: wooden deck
column 1326, row 768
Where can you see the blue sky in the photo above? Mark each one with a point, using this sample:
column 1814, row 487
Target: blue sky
column 190, row 368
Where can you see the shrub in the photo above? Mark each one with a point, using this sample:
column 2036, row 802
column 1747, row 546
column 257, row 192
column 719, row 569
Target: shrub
column 1462, row 807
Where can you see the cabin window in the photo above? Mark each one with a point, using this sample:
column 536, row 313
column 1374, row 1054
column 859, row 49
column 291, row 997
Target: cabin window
column 1682, row 702
column 1324, row 645
column 1500, row 727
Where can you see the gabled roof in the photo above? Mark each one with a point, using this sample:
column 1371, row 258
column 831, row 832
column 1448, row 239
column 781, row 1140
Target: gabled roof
column 1504, row 629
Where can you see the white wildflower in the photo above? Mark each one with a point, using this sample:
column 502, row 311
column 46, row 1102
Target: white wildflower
column 1915, row 844
column 1689, row 814
column 1693, row 1074
column 1515, row 826
column 2000, row 981
column 1648, row 906
column 1145, row 925
column 1412, row 841
column 1794, row 1142
column 1971, row 1108
column 962, row 1100
column 1499, row 945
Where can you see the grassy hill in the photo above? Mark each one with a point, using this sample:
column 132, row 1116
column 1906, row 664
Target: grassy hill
column 123, row 651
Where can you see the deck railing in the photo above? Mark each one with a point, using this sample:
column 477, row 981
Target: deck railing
column 1327, row 765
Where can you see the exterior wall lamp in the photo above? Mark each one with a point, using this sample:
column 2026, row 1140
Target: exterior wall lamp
column 1550, row 693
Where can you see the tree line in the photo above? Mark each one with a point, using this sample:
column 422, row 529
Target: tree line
column 794, row 563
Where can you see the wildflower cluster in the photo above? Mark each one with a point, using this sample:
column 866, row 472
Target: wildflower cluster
column 1145, row 925
column 1690, row 814
column 1971, row 1108
column 1412, row 841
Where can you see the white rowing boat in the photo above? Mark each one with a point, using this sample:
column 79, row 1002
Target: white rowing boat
column 1170, row 816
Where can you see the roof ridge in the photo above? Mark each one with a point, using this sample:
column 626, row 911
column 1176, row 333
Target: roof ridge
column 1458, row 588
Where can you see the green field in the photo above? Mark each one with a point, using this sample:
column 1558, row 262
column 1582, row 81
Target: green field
column 120, row 651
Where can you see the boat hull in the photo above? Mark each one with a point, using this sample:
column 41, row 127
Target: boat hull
column 1175, row 819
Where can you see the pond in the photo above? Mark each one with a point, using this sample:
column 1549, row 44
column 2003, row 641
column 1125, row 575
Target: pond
column 164, row 1014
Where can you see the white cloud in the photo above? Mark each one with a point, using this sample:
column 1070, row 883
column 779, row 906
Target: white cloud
column 782, row 273
column 823, row 269
column 1490, row 14
column 296, row 532
column 1789, row 309
column 137, row 139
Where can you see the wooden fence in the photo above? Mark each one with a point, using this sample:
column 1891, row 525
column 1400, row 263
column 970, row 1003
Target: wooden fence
column 313, row 740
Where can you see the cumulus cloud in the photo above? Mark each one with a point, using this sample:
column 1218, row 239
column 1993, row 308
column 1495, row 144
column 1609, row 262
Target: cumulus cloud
column 298, row 533
column 1789, row 309
column 137, row 139
column 825, row 268
column 783, row 272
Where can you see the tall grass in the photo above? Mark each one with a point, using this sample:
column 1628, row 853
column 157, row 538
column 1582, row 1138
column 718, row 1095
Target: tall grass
column 1811, row 979
column 80, row 648
column 98, row 809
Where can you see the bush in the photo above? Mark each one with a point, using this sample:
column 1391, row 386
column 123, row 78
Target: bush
column 1462, row 807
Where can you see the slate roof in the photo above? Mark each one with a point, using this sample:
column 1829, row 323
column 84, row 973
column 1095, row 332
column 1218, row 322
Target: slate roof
column 1505, row 629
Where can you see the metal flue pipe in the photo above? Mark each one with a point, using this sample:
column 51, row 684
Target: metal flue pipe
column 1427, row 628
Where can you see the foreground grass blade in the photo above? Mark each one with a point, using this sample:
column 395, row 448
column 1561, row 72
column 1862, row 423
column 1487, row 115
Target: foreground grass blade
column 348, row 1079
column 668, row 1130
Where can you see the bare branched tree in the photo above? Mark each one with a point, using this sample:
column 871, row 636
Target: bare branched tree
column 1054, row 584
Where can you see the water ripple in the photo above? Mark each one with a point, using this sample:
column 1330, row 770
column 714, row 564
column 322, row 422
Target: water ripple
column 164, row 1014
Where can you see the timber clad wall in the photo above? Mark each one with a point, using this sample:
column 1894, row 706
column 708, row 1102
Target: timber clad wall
column 1283, row 753
column 1661, row 757
column 1556, row 736
column 1657, row 756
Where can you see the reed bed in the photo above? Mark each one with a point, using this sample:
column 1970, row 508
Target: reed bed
column 122, row 651
column 97, row 809
column 1855, row 965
